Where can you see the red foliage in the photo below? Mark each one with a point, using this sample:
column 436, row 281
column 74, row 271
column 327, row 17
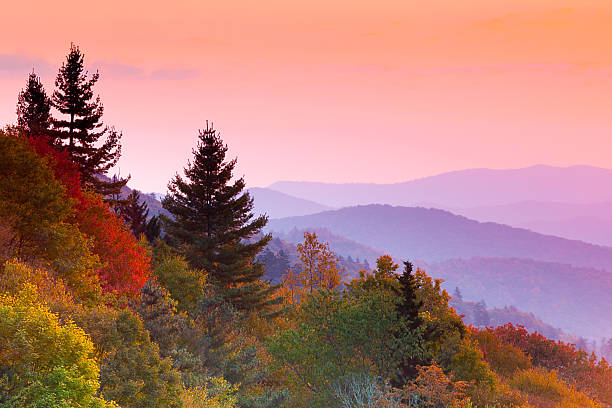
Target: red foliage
column 576, row 366
column 125, row 263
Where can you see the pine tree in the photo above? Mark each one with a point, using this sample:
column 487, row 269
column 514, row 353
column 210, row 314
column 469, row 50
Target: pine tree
column 213, row 224
column 408, row 309
column 409, row 305
column 135, row 213
column 33, row 108
column 94, row 147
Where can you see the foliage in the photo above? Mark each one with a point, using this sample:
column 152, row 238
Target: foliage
column 125, row 264
column 173, row 273
column 44, row 363
column 317, row 269
column 542, row 385
column 31, row 200
column 132, row 373
column 337, row 335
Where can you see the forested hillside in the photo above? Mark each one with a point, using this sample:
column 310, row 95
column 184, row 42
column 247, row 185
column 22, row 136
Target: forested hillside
column 103, row 305
column 435, row 235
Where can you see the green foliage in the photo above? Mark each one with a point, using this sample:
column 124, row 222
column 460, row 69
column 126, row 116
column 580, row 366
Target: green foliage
column 44, row 363
column 132, row 373
column 31, row 200
column 172, row 272
column 337, row 335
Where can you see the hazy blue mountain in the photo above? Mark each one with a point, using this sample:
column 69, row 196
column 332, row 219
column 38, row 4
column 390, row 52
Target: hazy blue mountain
column 435, row 235
column 340, row 245
column 577, row 300
column 467, row 188
column 277, row 205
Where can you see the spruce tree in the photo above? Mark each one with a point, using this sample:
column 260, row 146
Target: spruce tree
column 409, row 305
column 408, row 308
column 134, row 213
column 213, row 225
column 94, row 147
column 34, row 109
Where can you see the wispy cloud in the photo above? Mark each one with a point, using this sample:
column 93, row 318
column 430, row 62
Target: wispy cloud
column 20, row 65
column 115, row 69
column 176, row 74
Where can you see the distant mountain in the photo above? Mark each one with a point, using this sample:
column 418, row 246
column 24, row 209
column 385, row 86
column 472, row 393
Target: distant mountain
column 467, row 188
column 277, row 205
column 340, row 245
column 435, row 235
column 588, row 229
column 590, row 222
column 577, row 300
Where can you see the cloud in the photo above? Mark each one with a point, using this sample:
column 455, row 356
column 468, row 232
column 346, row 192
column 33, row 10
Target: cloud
column 176, row 74
column 20, row 65
column 115, row 69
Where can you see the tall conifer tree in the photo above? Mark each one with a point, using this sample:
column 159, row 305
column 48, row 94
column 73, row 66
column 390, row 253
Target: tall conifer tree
column 94, row 147
column 34, row 108
column 213, row 224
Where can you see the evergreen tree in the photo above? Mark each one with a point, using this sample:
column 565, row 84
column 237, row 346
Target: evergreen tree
column 408, row 309
column 213, row 224
column 409, row 305
column 135, row 213
column 33, row 108
column 94, row 147
column 153, row 229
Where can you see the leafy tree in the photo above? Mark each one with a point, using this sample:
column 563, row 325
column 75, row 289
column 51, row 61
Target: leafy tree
column 31, row 200
column 132, row 372
column 336, row 336
column 33, row 108
column 317, row 269
column 135, row 213
column 94, row 147
column 44, row 363
column 213, row 224
column 185, row 285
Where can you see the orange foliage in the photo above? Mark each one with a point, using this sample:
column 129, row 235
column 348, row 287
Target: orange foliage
column 125, row 264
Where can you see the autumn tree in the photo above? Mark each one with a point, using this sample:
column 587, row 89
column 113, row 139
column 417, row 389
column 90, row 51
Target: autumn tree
column 34, row 108
column 318, row 269
column 31, row 200
column 94, row 147
column 44, row 363
column 213, row 224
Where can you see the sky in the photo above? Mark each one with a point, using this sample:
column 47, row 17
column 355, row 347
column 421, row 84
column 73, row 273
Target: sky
column 337, row 91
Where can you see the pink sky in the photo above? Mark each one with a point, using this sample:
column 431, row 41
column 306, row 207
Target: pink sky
column 379, row 91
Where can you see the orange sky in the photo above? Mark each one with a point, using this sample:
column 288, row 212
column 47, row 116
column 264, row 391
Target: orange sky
column 378, row 91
